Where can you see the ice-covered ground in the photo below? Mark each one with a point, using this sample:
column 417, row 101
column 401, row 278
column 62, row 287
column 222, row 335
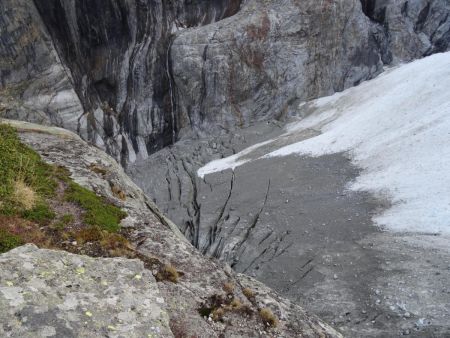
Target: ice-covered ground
column 397, row 128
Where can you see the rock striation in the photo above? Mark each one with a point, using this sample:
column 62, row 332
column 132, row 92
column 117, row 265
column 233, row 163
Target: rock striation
column 135, row 76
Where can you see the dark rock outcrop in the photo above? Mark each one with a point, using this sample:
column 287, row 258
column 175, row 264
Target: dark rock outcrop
column 411, row 29
column 34, row 84
column 118, row 55
column 134, row 76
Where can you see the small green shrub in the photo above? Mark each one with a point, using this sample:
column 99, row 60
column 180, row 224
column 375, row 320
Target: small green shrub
column 98, row 211
column 8, row 241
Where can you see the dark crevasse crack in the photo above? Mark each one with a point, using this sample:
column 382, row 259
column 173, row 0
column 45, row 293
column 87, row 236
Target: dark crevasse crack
column 171, row 81
column 213, row 232
column 238, row 247
column 195, row 204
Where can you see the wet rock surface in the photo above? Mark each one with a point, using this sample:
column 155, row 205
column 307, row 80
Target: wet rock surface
column 293, row 224
column 157, row 239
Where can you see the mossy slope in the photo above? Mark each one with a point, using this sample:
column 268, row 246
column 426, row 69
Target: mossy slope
column 19, row 162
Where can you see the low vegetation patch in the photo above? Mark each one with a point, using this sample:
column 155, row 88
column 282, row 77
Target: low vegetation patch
column 8, row 241
column 30, row 193
column 268, row 317
column 167, row 272
column 249, row 293
column 97, row 211
column 25, row 179
column 228, row 288
column 218, row 306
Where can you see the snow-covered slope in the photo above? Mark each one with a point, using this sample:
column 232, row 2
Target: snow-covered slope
column 397, row 128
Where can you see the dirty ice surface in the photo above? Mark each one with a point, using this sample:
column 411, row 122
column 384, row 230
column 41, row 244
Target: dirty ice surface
column 397, row 129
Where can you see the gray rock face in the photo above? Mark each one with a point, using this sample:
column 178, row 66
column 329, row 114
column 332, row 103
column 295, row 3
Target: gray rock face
column 412, row 29
column 46, row 293
column 134, row 76
column 271, row 54
column 34, row 84
column 155, row 238
column 117, row 52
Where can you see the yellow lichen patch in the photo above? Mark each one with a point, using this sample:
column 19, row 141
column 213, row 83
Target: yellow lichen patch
column 80, row 270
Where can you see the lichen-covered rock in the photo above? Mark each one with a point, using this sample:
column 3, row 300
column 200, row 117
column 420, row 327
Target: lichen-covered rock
column 45, row 293
column 201, row 280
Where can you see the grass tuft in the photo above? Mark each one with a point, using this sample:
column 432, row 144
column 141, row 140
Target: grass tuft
column 24, row 195
column 228, row 288
column 168, row 272
column 23, row 174
column 268, row 317
column 248, row 293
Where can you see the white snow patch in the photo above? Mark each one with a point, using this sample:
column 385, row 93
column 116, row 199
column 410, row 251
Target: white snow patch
column 229, row 162
column 397, row 128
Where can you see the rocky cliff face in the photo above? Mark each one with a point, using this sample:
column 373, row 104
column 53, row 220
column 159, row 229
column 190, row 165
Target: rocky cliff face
column 111, row 296
column 134, row 76
column 34, row 84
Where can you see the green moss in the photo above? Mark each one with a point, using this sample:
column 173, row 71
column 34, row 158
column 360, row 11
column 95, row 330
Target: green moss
column 98, row 212
column 8, row 241
column 19, row 162
column 41, row 214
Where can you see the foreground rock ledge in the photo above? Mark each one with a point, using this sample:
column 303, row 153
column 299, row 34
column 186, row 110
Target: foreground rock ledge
column 47, row 293
column 36, row 299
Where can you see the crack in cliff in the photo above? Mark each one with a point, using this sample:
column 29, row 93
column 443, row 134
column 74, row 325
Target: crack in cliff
column 169, row 70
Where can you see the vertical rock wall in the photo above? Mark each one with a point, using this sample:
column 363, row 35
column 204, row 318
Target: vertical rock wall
column 133, row 76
